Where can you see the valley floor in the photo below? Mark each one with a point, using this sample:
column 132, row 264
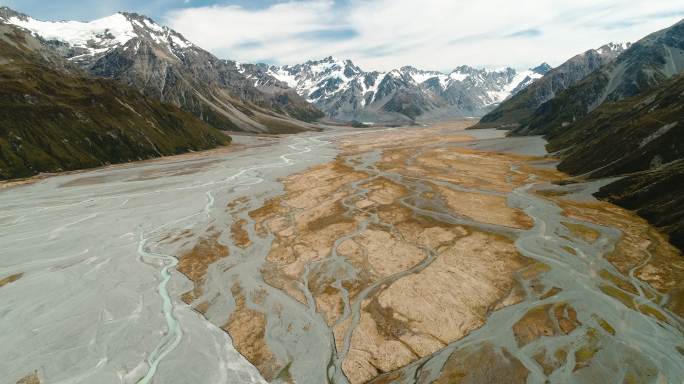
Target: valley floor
column 409, row 255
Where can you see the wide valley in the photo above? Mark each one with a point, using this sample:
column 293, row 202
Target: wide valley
column 381, row 255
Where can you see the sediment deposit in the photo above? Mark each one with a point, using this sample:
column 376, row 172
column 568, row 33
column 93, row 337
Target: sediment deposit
column 410, row 255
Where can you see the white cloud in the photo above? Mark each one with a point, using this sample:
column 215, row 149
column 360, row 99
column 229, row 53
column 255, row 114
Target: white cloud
column 434, row 34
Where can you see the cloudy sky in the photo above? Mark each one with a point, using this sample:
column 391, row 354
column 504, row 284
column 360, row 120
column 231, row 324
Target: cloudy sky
column 384, row 34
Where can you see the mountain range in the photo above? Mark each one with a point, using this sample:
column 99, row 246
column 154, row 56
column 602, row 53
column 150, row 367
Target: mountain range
column 345, row 92
column 161, row 63
column 147, row 68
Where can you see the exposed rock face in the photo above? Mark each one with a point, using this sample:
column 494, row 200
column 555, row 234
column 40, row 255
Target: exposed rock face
column 525, row 101
column 161, row 63
column 647, row 64
column 282, row 98
column 346, row 92
column 53, row 117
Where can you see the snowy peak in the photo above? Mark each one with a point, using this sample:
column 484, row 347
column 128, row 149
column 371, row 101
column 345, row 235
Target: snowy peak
column 109, row 46
column 613, row 48
column 542, row 69
column 526, row 78
column 94, row 38
column 316, row 78
column 343, row 90
column 6, row 13
column 144, row 26
column 160, row 63
column 419, row 76
column 335, row 75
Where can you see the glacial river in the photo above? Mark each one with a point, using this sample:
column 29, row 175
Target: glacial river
column 95, row 298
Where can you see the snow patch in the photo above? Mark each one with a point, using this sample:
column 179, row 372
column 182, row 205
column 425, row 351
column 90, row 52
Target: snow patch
column 372, row 89
column 179, row 42
column 153, row 26
column 101, row 35
column 283, row 76
column 422, row 76
column 519, row 82
column 613, row 47
column 458, row 76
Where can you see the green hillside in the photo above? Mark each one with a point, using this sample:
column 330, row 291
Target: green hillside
column 54, row 118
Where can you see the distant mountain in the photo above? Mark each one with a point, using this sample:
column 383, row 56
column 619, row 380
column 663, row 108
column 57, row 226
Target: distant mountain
column 641, row 68
column 523, row 104
column 54, row 117
column 346, row 92
column 161, row 63
column 643, row 138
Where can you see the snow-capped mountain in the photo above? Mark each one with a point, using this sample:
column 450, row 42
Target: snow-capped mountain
column 346, row 92
column 161, row 63
column 87, row 41
column 531, row 75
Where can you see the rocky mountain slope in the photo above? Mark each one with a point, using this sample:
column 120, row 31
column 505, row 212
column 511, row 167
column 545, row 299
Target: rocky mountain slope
column 344, row 91
column 645, row 65
column 54, row 117
column 641, row 138
column 523, row 104
column 161, row 63
column 633, row 135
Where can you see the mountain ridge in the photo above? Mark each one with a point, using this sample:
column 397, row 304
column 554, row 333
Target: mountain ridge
column 344, row 91
column 624, row 120
column 645, row 65
column 524, row 103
